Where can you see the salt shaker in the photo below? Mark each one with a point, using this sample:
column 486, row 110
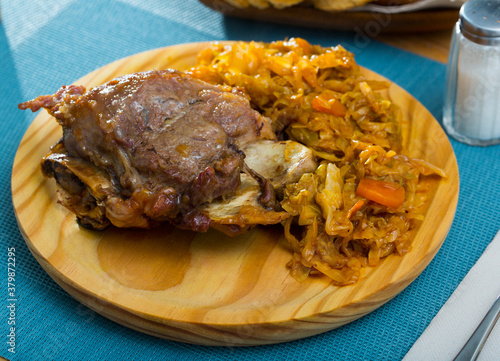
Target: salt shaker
column 471, row 111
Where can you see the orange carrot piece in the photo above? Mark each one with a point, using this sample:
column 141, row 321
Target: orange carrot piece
column 389, row 194
column 305, row 45
column 329, row 105
column 356, row 207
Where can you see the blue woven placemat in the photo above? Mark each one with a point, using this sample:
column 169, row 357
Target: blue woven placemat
column 46, row 44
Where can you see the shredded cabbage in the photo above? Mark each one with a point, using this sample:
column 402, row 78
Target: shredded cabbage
column 320, row 98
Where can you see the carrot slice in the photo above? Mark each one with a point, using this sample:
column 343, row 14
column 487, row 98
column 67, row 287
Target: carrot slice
column 356, row 207
column 389, row 194
column 305, row 45
column 332, row 106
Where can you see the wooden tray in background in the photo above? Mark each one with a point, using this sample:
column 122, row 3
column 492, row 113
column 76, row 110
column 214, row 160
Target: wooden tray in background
column 368, row 23
column 206, row 288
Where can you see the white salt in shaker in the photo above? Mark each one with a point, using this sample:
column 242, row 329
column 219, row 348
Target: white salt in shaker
column 472, row 102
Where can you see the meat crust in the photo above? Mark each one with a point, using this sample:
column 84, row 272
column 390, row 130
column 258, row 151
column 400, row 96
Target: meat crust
column 161, row 142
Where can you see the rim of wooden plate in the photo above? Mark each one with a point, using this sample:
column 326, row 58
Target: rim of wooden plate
column 317, row 307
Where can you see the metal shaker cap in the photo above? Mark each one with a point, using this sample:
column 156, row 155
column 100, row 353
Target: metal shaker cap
column 480, row 21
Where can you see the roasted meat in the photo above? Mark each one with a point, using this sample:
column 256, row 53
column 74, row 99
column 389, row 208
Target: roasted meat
column 280, row 163
column 155, row 146
column 160, row 142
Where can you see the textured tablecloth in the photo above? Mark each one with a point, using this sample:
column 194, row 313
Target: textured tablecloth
column 44, row 44
column 456, row 321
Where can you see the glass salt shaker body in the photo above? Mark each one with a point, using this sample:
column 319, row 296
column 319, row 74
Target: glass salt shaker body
column 471, row 111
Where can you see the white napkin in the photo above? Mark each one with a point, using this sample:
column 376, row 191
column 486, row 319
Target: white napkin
column 462, row 313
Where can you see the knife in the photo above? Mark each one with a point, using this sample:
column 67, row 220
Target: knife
column 473, row 347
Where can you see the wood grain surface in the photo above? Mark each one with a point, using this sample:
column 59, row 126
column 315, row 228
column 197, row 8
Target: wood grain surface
column 434, row 45
column 206, row 288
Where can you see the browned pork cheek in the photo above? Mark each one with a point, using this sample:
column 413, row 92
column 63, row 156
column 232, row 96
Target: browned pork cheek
column 148, row 147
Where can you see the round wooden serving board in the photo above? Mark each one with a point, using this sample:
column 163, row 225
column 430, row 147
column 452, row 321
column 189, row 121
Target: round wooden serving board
column 206, row 288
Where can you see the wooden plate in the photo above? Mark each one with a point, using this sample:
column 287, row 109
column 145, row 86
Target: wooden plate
column 366, row 24
column 206, row 288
